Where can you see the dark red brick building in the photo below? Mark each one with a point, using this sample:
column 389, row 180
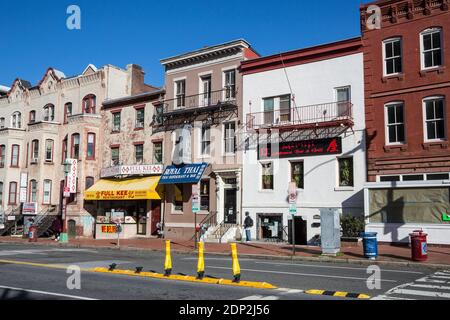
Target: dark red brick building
column 407, row 88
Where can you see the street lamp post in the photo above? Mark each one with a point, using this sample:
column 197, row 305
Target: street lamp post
column 64, row 237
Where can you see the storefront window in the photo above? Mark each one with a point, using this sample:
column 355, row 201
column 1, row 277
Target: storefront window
column 297, row 172
column 178, row 198
column 267, row 176
column 204, row 195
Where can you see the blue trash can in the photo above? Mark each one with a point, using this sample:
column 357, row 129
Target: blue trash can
column 370, row 244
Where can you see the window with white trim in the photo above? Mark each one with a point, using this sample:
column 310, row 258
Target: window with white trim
column 230, row 84
column 267, row 176
column 434, row 118
column 49, row 112
column 16, row 121
column 230, row 137
column 49, row 150
column 180, row 93
column 431, row 46
column 47, row 191
column 206, row 141
column 392, row 53
column 395, row 124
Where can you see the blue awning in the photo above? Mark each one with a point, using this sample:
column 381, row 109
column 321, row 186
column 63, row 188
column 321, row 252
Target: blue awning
column 184, row 174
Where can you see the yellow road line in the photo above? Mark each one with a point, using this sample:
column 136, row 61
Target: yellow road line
column 258, row 285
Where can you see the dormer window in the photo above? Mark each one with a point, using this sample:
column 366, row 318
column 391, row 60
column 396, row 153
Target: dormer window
column 49, row 112
column 89, row 104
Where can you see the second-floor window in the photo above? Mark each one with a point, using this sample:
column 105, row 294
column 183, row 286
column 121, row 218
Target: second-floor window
column 395, row 125
column 230, row 138
column 90, row 155
column 180, row 93
column 343, row 101
column 434, row 118
column 65, row 149
column 2, row 123
column 47, row 192
column 346, row 172
column 2, row 156
column 32, row 116
column 115, row 156
column 140, row 118
column 206, row 140
column 89, row 104
column 75, row 150
column 139, row 153
column 34, row 151
column 277, row 109
column 49, row 112
column 12, row 193
column 392, row 51
column 157, row 153
column 267, row 176
column 33, row 191
column 230, row 84
column 49, row 150
column 431, row 48
column 15, row 151
column 67, row 111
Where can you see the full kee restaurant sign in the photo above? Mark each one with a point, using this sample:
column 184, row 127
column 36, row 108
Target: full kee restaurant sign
column 295, row 149
column 117, row 195
column 132, row 170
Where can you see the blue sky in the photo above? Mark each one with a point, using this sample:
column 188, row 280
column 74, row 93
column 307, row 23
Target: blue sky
column 119, row 32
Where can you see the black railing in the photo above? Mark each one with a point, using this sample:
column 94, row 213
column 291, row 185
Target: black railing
column 203, row 100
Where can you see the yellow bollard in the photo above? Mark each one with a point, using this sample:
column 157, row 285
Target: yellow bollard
column 236, row 267
column 168, row 262
column 201, row 262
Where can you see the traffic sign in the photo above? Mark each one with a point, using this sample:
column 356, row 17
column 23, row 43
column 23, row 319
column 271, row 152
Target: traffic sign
column 195, row 198
column 293, row 209
column 446, row 217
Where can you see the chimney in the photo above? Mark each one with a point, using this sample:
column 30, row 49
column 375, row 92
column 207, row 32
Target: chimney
column 135, row 79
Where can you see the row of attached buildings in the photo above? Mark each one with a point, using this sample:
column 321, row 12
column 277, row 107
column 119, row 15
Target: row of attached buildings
column 359, row 125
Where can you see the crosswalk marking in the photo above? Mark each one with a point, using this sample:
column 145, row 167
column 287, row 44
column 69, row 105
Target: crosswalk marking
column 258, row 297
column 435, row 285
column 422, row 293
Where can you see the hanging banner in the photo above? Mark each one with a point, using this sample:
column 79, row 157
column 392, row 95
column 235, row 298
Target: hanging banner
column 73, row 174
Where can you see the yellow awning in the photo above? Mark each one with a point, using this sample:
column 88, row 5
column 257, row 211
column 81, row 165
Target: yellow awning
column 132, row 189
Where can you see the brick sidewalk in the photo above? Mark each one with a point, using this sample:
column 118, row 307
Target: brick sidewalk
column 387, row 253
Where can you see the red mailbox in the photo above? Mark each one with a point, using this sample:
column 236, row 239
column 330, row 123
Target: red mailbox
column 419, row 246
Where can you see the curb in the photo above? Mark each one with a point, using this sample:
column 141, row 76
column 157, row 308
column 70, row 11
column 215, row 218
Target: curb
column 340, row 294
column 223, row 282
column 326, row 259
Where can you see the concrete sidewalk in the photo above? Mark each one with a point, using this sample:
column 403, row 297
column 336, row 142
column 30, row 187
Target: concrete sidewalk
column 439, row 257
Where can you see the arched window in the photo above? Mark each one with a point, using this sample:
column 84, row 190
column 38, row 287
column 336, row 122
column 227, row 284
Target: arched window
column 32, row 116
column 89, row 103
column 32, row 197
column 2, row 155
column 75, row 149
column 34, row 151
column 2, row 123
column 49, row 112
column 16, row 120
column 47, row 192
column 67, row 111
column 49, row 150
column 90, row 155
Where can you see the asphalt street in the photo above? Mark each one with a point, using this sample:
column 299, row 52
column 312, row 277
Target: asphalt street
column 22, row 281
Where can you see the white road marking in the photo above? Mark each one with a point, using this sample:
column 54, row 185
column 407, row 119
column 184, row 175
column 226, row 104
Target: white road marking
column 258, row 297
column 286, row 291
column 47, row 293
column 427, row 279
column 439, row 277
column 384, row 297
column 333, row 267
column 300, row 274
column 91, row 264
column 40, row 251
column 429, row 286
column 421, row 293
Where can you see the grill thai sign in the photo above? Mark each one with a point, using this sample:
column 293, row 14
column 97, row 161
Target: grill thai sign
column 295, row 149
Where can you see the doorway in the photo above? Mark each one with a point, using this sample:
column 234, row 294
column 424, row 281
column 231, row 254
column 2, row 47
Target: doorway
column 270, row 227
column 72, row 226
column 156, row 216
column 300, row 231
column 230, row 206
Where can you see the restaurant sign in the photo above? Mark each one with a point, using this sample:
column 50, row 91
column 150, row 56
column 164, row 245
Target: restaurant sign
column 136, row 170
column 294, row 149
column 188, row 173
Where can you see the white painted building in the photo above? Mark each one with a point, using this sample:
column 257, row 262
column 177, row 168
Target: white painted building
column 310, row 100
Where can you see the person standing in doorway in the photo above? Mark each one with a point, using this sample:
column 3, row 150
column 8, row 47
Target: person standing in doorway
column 248, row 224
